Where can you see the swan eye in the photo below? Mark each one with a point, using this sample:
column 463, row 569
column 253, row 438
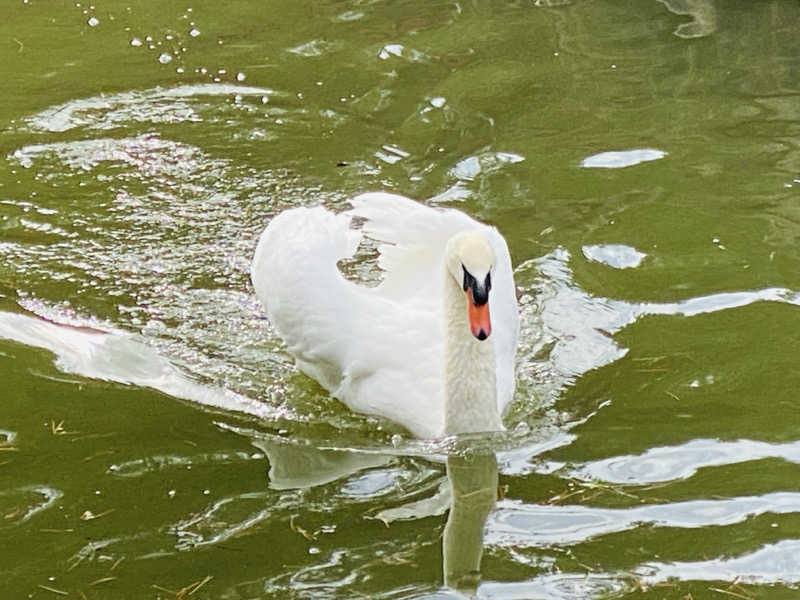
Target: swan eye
column 488, row 283
column 480, row 293
column 469, row 280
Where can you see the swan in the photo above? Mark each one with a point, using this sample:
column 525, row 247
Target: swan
column 432, row 346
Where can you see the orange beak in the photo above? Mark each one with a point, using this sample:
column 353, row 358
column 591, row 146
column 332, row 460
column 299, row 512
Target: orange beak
column 479, row 322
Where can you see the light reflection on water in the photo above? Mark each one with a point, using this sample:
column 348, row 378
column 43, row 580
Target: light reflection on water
column 681, row 462
column 770, row 564
column 171, row 105
column 518, row 525
column 21, row 504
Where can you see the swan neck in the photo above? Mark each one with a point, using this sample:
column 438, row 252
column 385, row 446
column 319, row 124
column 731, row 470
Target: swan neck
column 470, row 380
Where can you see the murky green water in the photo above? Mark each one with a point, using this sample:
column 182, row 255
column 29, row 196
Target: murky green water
column 155, row 438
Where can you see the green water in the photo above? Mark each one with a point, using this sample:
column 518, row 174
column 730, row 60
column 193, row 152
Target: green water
column 653, row 447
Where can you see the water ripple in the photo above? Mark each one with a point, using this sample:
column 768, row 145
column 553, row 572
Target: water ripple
column 518, row 524
column 125, row 359
column 566, row 586
column 618, row 256
column 669, row 463
column 770, row 564
column 19, row 505
column 622, row 158
column 154, row 464
column 566, row 331
column 157, row 105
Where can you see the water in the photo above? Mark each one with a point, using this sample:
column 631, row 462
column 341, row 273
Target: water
column 641, row 159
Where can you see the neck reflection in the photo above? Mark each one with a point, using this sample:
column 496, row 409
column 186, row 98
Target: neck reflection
column 473, row 484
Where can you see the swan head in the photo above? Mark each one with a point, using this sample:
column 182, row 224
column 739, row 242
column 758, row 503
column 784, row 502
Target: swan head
column 470, row 260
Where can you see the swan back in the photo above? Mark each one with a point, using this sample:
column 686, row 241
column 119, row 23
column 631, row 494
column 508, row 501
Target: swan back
column 295, row 277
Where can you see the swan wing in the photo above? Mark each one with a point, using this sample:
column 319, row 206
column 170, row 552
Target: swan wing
column 412, row 239
column 307, row 300
column 376, row 355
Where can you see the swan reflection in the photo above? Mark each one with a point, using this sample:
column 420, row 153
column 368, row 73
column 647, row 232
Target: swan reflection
column 469, row 492
column 294, row 465
column 473, row 486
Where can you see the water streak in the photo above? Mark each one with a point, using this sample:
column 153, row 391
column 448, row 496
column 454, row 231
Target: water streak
column 523, row 525
column 157, row 105
column 124, row 359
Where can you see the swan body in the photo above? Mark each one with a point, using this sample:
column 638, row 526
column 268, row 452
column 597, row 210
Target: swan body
column 432, row 346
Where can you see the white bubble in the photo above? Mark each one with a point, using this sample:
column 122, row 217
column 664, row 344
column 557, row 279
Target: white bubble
column 136, row 42
column 240, row 77
column 93, row 21
column 194, row 32
column 165, row 58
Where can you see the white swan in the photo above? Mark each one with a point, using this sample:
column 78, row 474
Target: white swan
column 432, row 347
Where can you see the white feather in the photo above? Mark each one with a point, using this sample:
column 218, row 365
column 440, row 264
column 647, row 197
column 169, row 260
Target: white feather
column 379, row 350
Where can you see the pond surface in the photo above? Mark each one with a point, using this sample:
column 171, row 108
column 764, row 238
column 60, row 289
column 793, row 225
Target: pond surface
column 642, row 159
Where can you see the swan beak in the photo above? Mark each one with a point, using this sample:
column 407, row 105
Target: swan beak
column 479, row 322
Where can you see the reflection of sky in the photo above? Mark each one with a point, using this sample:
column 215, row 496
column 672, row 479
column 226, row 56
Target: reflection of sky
column 520, row 525
column 669, row 463
column 621, row 158
column 614, row 255
column 772, row 563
